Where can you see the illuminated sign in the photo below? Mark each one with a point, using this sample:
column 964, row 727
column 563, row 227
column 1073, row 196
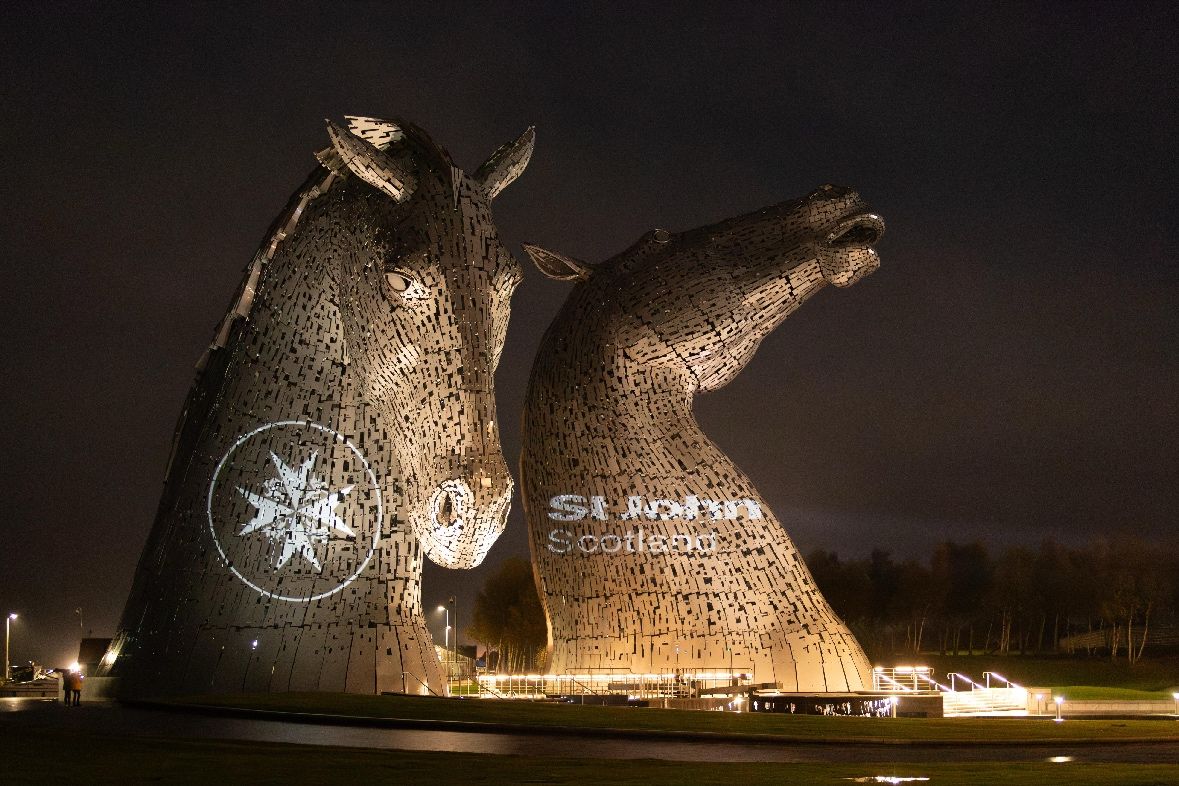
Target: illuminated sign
column 562, row 541
column 295, row 511
column 574, row 507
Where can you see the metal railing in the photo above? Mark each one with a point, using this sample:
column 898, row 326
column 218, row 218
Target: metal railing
column 615, row 682
column 405, row 683
column 991, row 675
column 902, row 679
column 961, row 693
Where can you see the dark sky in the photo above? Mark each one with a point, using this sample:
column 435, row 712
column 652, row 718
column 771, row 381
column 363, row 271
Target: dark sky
column 1008, row 374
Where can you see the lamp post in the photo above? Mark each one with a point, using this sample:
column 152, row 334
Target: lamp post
column 454, row 603
column 1059, row 701
column 7, row 636
column 446, row 633
column 446, row 646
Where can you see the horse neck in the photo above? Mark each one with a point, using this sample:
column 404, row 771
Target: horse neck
column 606, row 409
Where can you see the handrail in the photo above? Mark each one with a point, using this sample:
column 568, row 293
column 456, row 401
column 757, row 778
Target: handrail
column 934, row 683
column 880, row 677
column 574, row 681
column 965, row 677
column 484, row 686
column 1001, row 678
column 405, row 684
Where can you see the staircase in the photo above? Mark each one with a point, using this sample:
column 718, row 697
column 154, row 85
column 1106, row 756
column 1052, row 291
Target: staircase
column 961, row 695
column 985, row 701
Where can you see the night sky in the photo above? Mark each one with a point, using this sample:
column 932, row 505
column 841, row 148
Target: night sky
column 1009, row 373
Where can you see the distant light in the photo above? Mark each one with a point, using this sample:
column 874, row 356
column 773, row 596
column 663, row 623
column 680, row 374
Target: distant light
column 1175, row 696
column 75, row 666
column 1060, row 759
column 895, row 700
column 1059, row 699
column 13, row 615
column 1039, row 697
column 254, row 644
column 442, row 608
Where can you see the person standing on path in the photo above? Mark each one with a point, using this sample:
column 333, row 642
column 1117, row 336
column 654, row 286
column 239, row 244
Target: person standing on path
column 73, row 684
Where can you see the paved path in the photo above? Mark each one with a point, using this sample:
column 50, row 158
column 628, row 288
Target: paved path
column 104, row 718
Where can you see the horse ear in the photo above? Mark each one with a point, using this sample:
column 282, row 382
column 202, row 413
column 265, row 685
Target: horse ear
column 506, row 164
column 371, row 164
column 381, row 133
column 556, row 265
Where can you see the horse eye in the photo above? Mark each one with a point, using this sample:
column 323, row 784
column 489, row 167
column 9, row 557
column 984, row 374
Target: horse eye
column 398, row 281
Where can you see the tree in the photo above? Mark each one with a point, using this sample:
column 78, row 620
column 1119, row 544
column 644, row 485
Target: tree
column 1014, row 596
column 509, row 618
column 962, row 574
column 914, row 602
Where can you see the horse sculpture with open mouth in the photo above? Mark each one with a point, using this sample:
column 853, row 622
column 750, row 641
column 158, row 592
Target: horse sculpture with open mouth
column 608, row 416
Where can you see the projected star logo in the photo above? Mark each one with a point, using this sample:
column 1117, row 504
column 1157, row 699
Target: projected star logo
column 296, row 511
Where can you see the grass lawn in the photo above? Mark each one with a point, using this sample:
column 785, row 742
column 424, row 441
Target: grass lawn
column 1157, row 675
column 802, row 727
column 38, row 756
column 1102, row 693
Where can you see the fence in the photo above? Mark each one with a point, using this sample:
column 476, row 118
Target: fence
column 609, row 682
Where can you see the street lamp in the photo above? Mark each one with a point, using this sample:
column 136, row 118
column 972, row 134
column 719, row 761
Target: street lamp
column 446, row 611
column 1059, row 701
column 7, row 636
column 454, row 603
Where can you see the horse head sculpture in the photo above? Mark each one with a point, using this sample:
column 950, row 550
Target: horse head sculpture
column 704, row 299
column 425, row 308
column 342, row 427
column 653, row 552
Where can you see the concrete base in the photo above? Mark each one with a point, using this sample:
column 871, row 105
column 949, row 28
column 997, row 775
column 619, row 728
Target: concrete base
column 706, row 703
column 1098, row 708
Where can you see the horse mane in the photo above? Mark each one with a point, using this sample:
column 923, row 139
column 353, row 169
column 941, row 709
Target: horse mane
column 380, row 133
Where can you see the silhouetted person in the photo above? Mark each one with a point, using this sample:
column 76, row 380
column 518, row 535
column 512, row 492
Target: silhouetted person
column 74, row 688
